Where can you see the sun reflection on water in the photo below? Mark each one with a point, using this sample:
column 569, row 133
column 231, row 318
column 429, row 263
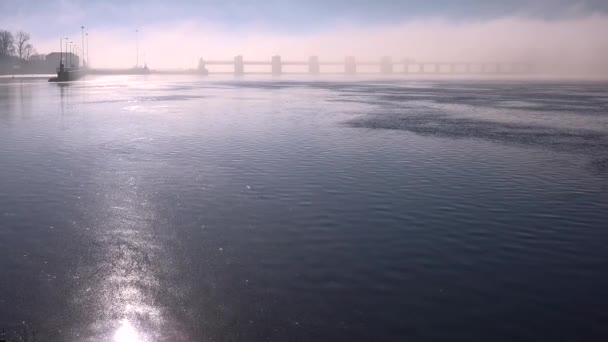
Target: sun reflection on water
column 126, row 333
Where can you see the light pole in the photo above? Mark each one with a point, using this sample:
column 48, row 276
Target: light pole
column 88, row 56
column 136, row 48
column 82, row 32
column 66, row 51
column 76, row 51
column 60, row 51
column 71, row 53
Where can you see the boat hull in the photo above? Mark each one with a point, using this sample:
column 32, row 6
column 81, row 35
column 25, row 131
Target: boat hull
column 68, row 75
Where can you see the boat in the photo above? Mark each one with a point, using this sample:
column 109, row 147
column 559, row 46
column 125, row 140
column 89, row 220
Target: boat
column 68, row 74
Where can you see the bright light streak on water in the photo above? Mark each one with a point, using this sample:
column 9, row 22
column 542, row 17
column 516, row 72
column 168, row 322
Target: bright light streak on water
column 126, row 333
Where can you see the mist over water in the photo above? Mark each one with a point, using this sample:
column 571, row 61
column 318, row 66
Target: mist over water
column 571, row 47
column 149, row 208
column 557, row 38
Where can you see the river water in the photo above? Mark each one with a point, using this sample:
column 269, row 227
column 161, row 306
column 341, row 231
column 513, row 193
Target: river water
column 152, row 208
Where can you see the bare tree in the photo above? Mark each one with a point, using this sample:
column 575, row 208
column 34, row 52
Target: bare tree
column 28, row 52
column 7, row 44
column 22, row 44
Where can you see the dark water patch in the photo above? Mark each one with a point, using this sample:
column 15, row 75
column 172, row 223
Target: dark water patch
column 586, row 99
column 443, row 125
column 499, row 97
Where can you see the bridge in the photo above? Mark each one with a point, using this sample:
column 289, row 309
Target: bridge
column 350, row 66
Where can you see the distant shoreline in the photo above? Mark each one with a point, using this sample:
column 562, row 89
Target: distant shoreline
column 341, row 76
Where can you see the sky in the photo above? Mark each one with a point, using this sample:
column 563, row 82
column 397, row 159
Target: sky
column 176, row 33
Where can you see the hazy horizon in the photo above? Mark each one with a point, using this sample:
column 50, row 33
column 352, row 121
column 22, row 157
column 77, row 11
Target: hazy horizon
column 559, row 37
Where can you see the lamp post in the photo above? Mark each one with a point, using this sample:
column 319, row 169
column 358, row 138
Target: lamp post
column 66, row 51
column 82, row 46
column 76, row 51
column 71, row 53
column 88, row 56
column 136, row 48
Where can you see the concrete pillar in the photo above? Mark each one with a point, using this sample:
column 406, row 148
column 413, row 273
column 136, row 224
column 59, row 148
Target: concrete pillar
column 202, row 69
column 406, row 65
column 313, row 65
column 350, row 66
column 277, row 67
column 386, row 65
column 239, row 67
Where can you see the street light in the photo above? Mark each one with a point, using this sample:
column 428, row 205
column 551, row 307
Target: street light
column 88, row 56
column 66, row 51
column 71, row 53
column 76, row 50
column 82, row 33
column 68, row 55
column 137, row 48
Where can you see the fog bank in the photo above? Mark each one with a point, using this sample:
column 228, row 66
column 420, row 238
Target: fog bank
column 577, row 46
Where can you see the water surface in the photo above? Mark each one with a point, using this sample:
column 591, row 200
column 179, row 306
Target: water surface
column 187, row 209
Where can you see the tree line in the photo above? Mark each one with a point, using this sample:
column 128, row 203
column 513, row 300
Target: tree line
column 17, row 45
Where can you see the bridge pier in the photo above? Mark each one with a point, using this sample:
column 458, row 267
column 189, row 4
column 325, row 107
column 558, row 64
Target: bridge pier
column 350, row 66
column 239, row 66
column 406, row 67
column 386, row 65
column 313, row 65
column 276, row 65
column 201, row 67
